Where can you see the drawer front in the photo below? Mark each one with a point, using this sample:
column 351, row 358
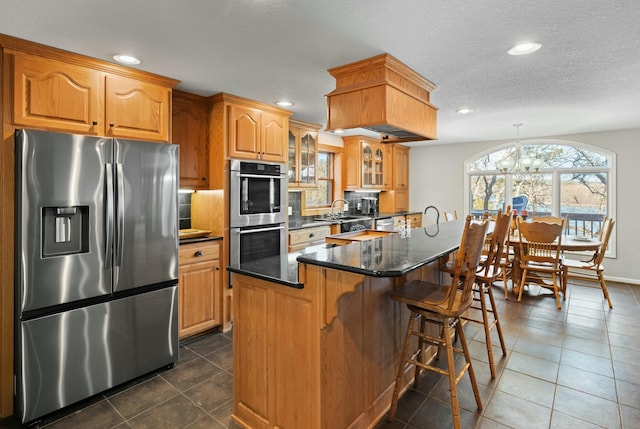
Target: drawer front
column 416, row 220
column 199, row 252
column 397, row 220
column 308, row 235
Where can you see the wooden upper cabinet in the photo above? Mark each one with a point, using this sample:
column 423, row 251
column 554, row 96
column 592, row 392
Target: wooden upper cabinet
column 189, row 129
column 55, row 95
column 302, row 154
column 135, row 109
column 70, row 97
column 244, row 132
column 351, row 174
column 275, row 128
column 367, row 164
column 400, row 167
column 397, row 198
column 255, row 132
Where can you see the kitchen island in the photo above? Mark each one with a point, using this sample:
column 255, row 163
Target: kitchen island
column 317, row 339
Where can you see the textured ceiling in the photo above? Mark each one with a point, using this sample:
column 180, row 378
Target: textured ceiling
column 585, row 78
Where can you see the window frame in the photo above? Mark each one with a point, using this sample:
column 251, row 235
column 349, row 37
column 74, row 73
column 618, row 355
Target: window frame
column 555, row 177
column 337, row 152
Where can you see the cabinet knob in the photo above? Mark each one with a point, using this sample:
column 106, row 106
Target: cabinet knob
column 198, row 253
column 95, row 122
column 313, row 234
column 217, row 268
column 111, row 124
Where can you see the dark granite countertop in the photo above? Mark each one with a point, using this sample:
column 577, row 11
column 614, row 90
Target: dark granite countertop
column 303, row 223
column 300, row 223
column 199, row 239
column 385, row 215
column 390, row 256
column 282, row 270
column 393, row 255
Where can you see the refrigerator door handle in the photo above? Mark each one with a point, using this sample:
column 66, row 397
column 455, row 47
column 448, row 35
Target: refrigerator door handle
column 120, row 214
column 109, row 216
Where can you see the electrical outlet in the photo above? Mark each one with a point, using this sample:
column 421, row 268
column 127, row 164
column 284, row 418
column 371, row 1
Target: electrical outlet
column 290, row 211
column 346, row 207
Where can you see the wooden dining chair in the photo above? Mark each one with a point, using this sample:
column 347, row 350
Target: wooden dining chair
column 554, row 219
column 591, row 270
column 448, row 216
column 442, row 305
column 540, row 251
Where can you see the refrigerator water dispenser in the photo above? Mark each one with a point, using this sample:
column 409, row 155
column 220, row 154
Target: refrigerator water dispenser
column 65, row 230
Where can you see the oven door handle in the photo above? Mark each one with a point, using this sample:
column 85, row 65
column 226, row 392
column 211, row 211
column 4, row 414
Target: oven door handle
column 250, row 231
column 262, row 176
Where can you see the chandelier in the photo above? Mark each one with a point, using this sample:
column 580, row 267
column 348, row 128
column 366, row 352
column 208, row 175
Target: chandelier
column 519, row 163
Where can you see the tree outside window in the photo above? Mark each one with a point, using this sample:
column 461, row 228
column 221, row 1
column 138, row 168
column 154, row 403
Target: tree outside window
column 573, row 181
column 323, row 195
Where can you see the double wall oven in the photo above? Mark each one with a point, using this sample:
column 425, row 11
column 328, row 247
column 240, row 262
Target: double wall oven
column 257, row 210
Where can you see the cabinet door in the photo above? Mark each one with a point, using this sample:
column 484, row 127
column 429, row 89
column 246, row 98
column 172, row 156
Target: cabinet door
column 401, row 200
column 138, row 110
column 54, row 95
column 400, row 167
column 367, row 165
column 351, row 165
column 273, row 137
column 308, row 156
column 189, row 130
column 199, row 289
column 244, row 132
column 292, row 157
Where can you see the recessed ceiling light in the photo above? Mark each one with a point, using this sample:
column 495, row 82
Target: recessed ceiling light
column 338, row 131
column 284, row 103
column 464, row 110
column 524, row 48
column 126, row 59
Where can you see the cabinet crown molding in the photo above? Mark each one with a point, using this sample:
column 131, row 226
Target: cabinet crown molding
column 10, row 43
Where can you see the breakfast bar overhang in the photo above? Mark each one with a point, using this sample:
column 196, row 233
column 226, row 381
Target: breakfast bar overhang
column 319, row 346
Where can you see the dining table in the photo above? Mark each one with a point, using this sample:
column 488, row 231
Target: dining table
column 568, row 243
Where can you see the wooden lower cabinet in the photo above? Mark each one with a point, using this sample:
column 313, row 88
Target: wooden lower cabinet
column 199, row 288
column 322, row 357
column 305, row 237
column 416, row 220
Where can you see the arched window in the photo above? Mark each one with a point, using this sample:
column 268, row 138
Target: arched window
column 572, row 179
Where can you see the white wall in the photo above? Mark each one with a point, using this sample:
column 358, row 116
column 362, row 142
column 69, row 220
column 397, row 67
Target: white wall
column 436, row 175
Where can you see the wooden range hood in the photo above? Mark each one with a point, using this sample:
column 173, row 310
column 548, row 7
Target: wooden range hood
column 382, row 94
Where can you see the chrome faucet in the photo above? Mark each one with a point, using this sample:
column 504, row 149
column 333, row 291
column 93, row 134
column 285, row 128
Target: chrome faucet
column 333, row 215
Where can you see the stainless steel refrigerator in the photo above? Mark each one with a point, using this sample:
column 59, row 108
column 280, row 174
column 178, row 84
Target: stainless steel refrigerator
column 96, row 265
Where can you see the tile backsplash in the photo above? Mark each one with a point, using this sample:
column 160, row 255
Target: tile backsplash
column 184, row 210
column 354, row 199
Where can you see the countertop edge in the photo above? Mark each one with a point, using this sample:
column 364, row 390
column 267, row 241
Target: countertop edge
column 199, row 239
column 295, row 285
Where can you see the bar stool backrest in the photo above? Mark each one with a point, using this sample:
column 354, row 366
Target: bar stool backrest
column 467, row 261
column 496, row 244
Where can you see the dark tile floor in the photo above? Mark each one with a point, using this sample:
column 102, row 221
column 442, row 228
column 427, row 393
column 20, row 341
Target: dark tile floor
column 574, row 368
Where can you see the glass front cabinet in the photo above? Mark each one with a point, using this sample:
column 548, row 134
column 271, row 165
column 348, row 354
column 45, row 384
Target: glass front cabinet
column 302, row 154
column 367, row 163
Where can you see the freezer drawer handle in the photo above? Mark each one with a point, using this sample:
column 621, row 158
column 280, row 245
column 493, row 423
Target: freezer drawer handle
column 198, row 253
